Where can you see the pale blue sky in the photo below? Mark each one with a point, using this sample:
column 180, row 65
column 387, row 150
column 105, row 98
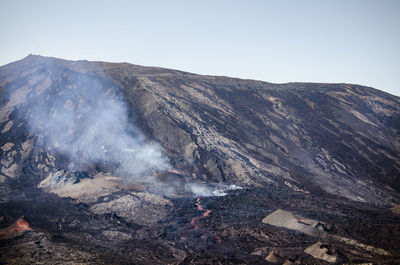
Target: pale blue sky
column 353, row 41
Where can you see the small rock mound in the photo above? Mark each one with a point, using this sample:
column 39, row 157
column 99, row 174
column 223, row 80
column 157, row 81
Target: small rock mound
column 273, row 258
column 289, row 220
column 322, row 251
column 396, row 209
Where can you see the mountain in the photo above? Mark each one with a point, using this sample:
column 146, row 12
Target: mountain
column 182, row 168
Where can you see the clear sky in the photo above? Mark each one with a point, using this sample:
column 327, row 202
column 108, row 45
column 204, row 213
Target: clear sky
column 352, row 41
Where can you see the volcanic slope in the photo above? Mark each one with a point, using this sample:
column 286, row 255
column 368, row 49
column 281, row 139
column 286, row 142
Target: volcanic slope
column 329, row 152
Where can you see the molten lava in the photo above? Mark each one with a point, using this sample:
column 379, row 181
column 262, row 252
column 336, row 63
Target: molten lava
column 21, row 225
column 175, row 171
column 199, row 207
column 205, row 214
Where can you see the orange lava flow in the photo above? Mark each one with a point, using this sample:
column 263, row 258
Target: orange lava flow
column 193, row 222
column 199, row 207
column 205, row 214
column 21, row 225
column 175, row 171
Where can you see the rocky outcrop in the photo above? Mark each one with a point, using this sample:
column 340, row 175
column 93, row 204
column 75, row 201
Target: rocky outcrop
column 396, row 209
column 288, row 220
column 273, row 258
column 139, row 208
column 321, row 251
column 315, row 228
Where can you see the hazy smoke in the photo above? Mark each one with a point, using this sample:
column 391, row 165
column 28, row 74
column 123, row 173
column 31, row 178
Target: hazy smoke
column 83, row 118
column 205, row 190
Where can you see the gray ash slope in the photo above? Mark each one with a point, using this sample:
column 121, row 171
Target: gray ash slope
column 329, row 152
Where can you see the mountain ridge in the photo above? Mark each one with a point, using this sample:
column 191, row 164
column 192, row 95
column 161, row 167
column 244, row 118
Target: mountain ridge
column 37, row 56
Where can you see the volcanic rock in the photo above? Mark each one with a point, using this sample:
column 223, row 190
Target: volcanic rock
column 288, row 220
column 314, row 228
column 273, row 258
column 139, row 208
column 321, row 251
column 107, row 160
column 396, row 209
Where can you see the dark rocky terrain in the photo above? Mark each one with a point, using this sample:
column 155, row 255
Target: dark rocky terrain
column 310, row 172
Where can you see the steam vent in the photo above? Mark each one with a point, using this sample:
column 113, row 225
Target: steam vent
column 115, row 163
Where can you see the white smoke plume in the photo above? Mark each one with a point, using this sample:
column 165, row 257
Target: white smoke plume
column 206, row 190
column 82, row 117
